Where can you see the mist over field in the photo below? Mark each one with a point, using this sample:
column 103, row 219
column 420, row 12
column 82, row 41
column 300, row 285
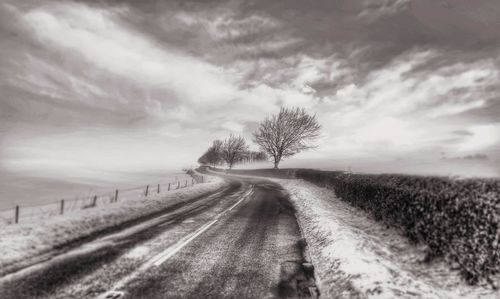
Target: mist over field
column 34, row 190
column 439, row 168
column 22, row 189
column 453, row 168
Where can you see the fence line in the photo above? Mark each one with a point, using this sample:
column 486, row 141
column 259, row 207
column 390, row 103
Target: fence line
column 23, row 212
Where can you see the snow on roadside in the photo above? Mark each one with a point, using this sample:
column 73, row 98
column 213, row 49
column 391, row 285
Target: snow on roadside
column 357, row 257
column 37, row 238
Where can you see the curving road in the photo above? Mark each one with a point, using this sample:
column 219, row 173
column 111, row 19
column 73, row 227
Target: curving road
column 242, row 241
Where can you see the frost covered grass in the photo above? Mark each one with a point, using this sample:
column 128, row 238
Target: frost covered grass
column 457, row 219
column 357, row 257
column 45, row 209
column 25, row 243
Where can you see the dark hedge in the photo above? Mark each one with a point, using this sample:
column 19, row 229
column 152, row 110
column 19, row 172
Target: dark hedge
column 457, row 219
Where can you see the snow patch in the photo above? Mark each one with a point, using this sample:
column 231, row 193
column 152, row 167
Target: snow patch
column 355, row 256
column 137, row 252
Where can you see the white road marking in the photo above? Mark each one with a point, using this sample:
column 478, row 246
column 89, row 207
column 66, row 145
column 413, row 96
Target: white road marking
column 169, row 252
column 163, row 256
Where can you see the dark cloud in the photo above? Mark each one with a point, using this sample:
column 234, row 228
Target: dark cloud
column 489, row 113
column 378, row 30
column 338, row 26
column 384, row 29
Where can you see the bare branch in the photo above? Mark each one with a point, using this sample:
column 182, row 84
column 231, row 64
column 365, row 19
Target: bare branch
column 289, row 132
column 234, row 149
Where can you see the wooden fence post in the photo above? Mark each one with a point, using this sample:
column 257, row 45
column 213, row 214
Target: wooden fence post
column 147, row 190
column 94, row 202
column 62, row 207
column 116, row 195
column 16, row 218
column 158, row 191
column 168, row 186
column 178, row 184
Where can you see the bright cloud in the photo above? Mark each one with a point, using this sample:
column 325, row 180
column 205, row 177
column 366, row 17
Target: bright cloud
column 106, row 44
column 482, row 137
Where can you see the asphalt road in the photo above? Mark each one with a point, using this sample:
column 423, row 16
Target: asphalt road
column 240, row 242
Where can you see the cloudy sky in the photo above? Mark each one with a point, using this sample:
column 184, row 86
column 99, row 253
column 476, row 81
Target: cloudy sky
column 93, row 86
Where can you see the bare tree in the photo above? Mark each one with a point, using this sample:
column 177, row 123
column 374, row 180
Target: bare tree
column 203, row 159
column 213, row 155
column 253, row 156
column 289, row 132
column 260, row 156
column 234, row 150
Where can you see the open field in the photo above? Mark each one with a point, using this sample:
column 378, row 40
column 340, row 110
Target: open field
column 44, row 207
column 40, row 238
column 27, row 189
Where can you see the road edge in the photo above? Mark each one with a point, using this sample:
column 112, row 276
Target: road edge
column 309, row 265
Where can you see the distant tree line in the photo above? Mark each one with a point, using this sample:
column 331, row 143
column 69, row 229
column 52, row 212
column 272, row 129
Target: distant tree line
column 280, row 136
column 230, row 151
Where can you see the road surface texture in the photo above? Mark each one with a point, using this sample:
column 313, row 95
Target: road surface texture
column 240, row 242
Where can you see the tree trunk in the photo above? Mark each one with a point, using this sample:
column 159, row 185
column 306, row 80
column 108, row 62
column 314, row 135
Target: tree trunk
column 276, row 162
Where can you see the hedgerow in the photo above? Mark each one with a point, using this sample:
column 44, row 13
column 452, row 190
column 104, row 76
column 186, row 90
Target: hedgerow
column 457, row 219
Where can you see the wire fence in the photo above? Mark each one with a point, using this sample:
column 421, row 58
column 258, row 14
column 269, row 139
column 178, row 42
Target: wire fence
column 25, row 213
